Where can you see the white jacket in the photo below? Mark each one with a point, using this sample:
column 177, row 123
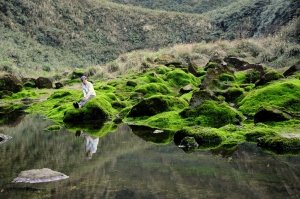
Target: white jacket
column 88, row 89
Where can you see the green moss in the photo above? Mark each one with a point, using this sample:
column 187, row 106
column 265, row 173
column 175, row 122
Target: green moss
column 178, row 78
column 151, row 89
column 226, row 77
column 96, row 129
column 210, row 65
column 24, row 94
column 253, row 135
column 162, row 69
column 252, row 76
column 273, row 95
column 234, row 95
column 53, row 128
column 213, row 114
column 240, row 77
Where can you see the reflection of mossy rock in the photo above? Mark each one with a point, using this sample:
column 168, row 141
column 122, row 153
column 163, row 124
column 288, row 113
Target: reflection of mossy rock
column 156, row 104
column 213, row 114
column 281, row 144
column 10, row 83
column 94, row 109
column 199, row 97
column 152, row 135
column 269, row 76
column 253, row 135
column 271, row 113
column 203, row 138
column 188, row 142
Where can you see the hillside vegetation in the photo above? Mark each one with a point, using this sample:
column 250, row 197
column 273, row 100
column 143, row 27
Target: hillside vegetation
column 52, row 34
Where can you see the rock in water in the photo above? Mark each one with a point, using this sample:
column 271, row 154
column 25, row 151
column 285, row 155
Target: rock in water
column 4, row 138
column 39, row 176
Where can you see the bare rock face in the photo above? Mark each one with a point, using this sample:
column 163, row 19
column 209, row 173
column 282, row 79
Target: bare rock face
column 10, row 83
column 293, row 69
column 43, row 82
column 39, row 176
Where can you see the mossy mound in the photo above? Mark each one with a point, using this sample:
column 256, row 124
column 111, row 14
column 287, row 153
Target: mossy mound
column 212, row 114
column 156, row 104
column 95, row 109
column 253, row 135
column 204, row 139
column 284, row 94
column 280, row 145
column 151, row 89
column 178, row 78
column 269, row 76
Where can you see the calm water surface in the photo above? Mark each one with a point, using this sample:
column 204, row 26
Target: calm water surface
column 127, row 166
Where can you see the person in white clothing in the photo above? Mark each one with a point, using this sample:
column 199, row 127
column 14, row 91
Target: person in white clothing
column 88, row 92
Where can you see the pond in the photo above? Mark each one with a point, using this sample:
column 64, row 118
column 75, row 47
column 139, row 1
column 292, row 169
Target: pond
column 126, row 165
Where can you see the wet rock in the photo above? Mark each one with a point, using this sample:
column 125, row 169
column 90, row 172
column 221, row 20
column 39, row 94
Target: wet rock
column 271, row 113
column 293, row 69
column 10, row 83
column 39, row 176
column 4, row 138
column 43, row 82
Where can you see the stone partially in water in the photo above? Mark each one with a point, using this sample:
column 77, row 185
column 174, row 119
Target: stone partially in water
column 4, row 138
column 39, row 176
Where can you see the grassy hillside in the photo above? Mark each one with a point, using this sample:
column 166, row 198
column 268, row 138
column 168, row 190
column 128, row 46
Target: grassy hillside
column 77, row 33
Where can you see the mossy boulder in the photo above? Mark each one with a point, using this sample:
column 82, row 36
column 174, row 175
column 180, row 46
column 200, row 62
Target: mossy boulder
column 44, row 82
column 77, row 73
column 271, row 113
column 213, row 114
column 151, row 89
column 292, row 70
column 269, row 76
column 156, row 104
column 179, row 78
column 281, row 144
column 200, row 96
column 283, row 94
column 232, row 94
column 131, row 83
column 10, row 83
column 95, row 109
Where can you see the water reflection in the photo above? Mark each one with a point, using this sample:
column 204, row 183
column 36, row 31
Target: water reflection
column 128, row 166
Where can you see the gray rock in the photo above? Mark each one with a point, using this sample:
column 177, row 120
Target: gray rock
column 39, row 176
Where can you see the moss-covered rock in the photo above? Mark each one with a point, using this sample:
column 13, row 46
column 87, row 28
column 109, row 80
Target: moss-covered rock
column 232, row 94
column 280, row 144
column 179, row 78
column 283, row 94
column 213, row 114
column 200, row 96
column 10, row 83
column 269, row 76
column 151, row 89
column 156, row 104
column 271, row 113
column 77, row 73
column 95, row 109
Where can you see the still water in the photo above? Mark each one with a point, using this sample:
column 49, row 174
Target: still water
column 128, row 166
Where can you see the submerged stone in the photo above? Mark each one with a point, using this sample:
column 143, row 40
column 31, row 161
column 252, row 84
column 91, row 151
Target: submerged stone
column 39, row 176
column 4, row 138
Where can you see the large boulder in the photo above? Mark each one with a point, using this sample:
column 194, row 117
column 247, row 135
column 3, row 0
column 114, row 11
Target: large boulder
column 29, row 82
column 10, row 83
column 271, row 113
column 241, row 65
column 293, row 69
column 43, row 82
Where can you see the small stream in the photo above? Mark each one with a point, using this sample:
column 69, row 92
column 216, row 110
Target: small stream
column 126, row 166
